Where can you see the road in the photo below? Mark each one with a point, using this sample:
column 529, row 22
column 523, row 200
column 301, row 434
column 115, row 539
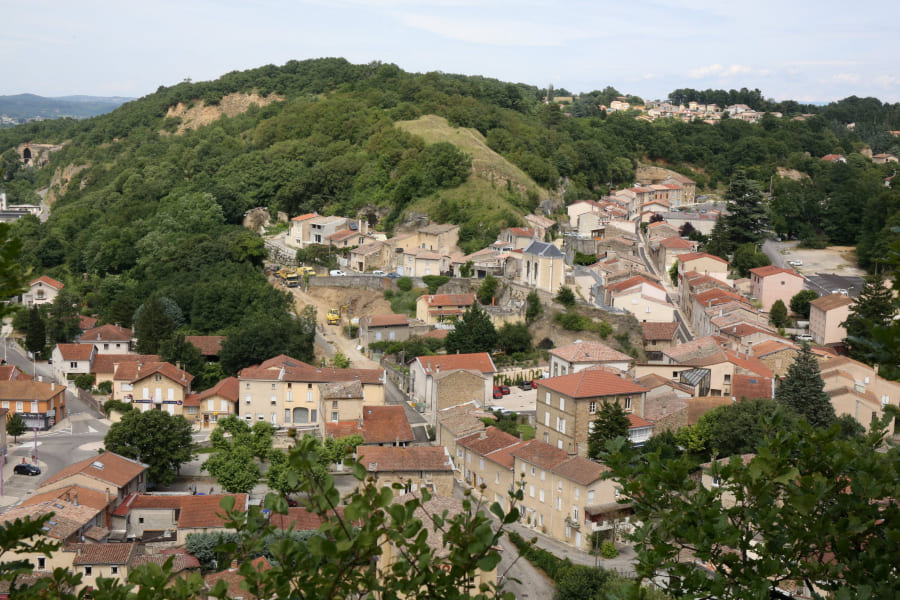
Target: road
column 684, row 331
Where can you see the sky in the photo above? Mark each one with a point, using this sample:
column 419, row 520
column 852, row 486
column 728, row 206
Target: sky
column 805, row 51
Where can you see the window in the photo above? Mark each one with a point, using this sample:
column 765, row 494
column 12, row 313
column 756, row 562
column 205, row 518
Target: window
column 273, row 387
column 272, row 399
column 114, row 570
column 559, row 503
column 106, row 346
column 481, row 463
column 547, row 398
column 89, row 571
column 627, row 402
column 42, row 563
column 547, row 419
column 247, row 386
column 590, row 496
column 5, row 404
column 592, row 408
column 20, row 406
column 716, row 481
column 140, row 519
column 287, row 415
column 73, row 364
column 532, row 469
column 541, row 494
column 247, row 398
column 562, row 403
column 531, row 490
column 34, row 407
column 576, row 493
column 157, row 377
column 497, row 477
column 559, row 485
column 334, row 416
column 223, row 406
column 309, row 395
column 575, row 513
column 543, row 475
column 559, row 444
column 617, row 492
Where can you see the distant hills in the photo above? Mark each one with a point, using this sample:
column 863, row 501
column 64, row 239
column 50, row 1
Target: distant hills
column 29, row 107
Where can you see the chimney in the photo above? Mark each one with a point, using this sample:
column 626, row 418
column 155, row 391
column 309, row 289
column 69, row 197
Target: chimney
column 52, row 386
column 482, row 435
column 67, row 497
column 234, row 566
column 75, row 502
column 108, row 495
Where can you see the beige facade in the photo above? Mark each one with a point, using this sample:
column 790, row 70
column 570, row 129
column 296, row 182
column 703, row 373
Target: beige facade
column 42, row 290
column 543, row 267
column 826, row 315
column 770, row 284
column 411, row 468
column 567, row 406
column 857, row 390
column 644, row 308
column 430, row 386
column 435, row 308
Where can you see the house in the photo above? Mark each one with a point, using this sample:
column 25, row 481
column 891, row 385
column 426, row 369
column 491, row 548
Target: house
column 498, row 261
column 658, row 337
column 111, row 561
column 40, row 404
column 233, row 579
column 85, row 322
column 645, row 299
column 70, row 360
column 543, row 267
column 297, row 233
column 564, row 496
column 517, row 238
column 104, row 367
column 671, row 248
column 412, row 468
column 883, row 158
column 835, row 158
column 171, row 518
column 703, row 263
column 317, row 229
column 441, row 381
column 208, row 345
column 771, row 283
column 581, row 355
column 208, row 406
column 154, row 385
column 346, row 238
column 710, row 478
column 660, row 230
column 108, row 339
column 457, row 422
column 12, row 373
column 688, row 187
column 665, row 405
column 778, row 355
column 285, row 391
column 827, row 315
column 341, row 401
column 567, row 405
column 378, row 426
column 371, row 255
column 419, row 262
column 857, row 390
column 581, row 207
column 435, row 308
column 441, row 238
column 723, row 365
column 42, row 290
column 541, row 223
column 385, row 327
column 110, row 474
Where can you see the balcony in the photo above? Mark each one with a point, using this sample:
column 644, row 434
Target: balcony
column 573, row 523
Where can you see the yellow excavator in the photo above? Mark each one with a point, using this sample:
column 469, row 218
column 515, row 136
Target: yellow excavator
column 334, row 314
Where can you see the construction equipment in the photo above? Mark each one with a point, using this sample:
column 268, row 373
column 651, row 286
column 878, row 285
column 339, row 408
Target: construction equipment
column 301, row 271
column 333, row 316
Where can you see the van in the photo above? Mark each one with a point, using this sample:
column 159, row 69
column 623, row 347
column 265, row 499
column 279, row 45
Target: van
column 336, row 273
column 378, row 272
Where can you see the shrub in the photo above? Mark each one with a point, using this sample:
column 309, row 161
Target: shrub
column 111, row 405
column 404, row 283
column 565, row 296
column 608, row 550
column 85, row 381
column 551, row 564
column 434, row 282
column 105, row 387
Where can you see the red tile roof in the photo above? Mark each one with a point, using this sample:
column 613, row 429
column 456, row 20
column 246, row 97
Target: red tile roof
column 636, row 421
column 133, row 372
column 106, row 363
column 209, row 345
column 476, row 361
column 233, row 579
column 48, row 281
column 590, row 384
column 85, row 322
column 228, row 388
column 103, row 554
column 448, row 299
column 659, row 331
column 684, row 258
column 194, row 512
column 106, row 333
column 770, row 270
column 382, row 459
column 305, row 217
column 28, row 389
column 76, row 351
column 299, row 519
column 580, row 470
column 831, row 302
column 751, row 386
column 181, row 560
column 522, row 231
column 677, row 242
column 632, row 282
column 84, row 496
column 12, row 373
column 339, row 236
column 487, row 441
column 580, row 352
column 107, row 467
column 387, row 320
column 298, row 371
column 540, row 454
column 380, row 425
column 436, row 333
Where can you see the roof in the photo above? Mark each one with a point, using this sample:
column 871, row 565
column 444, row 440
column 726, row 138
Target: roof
column 133, row 372
column 67, row 519
column 75, row 351
column 632, row 282
column 28, row 389
column 85, row 322
column 340, row 390
column 194, row 512
column 228, row 388
column 540, row 454
column 83, row 496
column 683, row 258
column 339, row 236
column 544, row 249
column 209, row 345
column 387, row 320
column 448, row 299
column 233, row 579
column 580, row 470
column 487, row 441
column 699, row 406
column 521, row 231
column 770, row 270
column 580, row 351
column 305, row 217
column 380, row 425
column 181, row 560
column 285, row 368
column 772, row 346
column 751, row 386
column 106, row 333
column 48, row 281
column 831, row 302
column 659, row 331
column 108, row 467
column 676, row 242
column 106, row 363
column 699, row 347
column 590, row 384
column 103, row 554
column 635, row 421
column 475, row 361
column 12, row 372
column 381, row 459
column 436, row 333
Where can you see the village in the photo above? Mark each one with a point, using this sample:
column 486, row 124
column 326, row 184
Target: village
column 687, row 338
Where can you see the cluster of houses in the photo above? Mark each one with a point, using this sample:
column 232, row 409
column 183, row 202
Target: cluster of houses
column 708, row 113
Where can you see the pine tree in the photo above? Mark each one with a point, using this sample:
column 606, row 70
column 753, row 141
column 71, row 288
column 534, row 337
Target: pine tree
column 473, row 333
column 747, row 214
column 154, row 322
column 611, row 422
column 778, row 314
column 803, row 390
column 874, row 308
column 15, row 426
column 36, row 331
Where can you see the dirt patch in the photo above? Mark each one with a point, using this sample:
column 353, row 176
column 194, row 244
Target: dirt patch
column 792, row 174
column 838, row 260
column 199, row 114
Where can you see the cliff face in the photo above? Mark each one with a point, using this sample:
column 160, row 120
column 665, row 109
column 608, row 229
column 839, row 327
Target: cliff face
column 199, row 113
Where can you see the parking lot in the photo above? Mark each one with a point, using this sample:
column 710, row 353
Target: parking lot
column 518, row 400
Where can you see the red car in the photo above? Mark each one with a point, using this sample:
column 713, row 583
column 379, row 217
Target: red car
column 498, row 393
column 504, row 389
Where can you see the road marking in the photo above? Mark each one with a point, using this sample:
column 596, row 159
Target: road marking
column 91, row 429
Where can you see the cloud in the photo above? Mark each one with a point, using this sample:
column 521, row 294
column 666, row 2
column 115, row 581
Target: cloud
column 845, row 78
column 717, row 70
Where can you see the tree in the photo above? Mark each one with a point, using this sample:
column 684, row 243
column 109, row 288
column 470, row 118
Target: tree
column 235, row 470
column 610, row 423
column 657, row 218
column 15, row 426
column 673, row 273
column 874, row 308
column 533, row 307
column 155, row 321
column 263, row 336
column 565, row 296
column 514, row 337
column 63, row 323
column 177, row 350
column 340, row 361
column 803, row 390
column 487, row 290
column 154, row 437
column 809, row 508
column 686, row 229
column 237, row 448
column 737, row 428
column 35, row 331
column 747, row 257
column 473, row 333
column 800, row 302
column 778, row 314
column 12, row 273
column 747, row 214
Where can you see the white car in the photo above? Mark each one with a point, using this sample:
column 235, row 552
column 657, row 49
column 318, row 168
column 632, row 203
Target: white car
column 379, row 273
column 796, row 263
column 336, row 273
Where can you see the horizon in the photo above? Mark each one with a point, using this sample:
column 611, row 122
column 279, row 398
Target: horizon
column 57, row 48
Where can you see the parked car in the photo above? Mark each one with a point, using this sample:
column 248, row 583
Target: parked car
column 498, row 393
column 26, row 469
column 393, row 275
column 336, row 273
column 526, row 385
column 796, row 263
column 504, row 389
column 378, row 272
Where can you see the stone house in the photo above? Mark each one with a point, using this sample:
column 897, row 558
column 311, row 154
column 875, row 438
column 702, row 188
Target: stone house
column 441, row 381
column 458, row 422
column 435, row 308
column 369, row 256
column 581, row 355
column 658, row 337
column 389, row 328
column 378, row 426
column 517, row 238
column 413, row 468
column 567, row 405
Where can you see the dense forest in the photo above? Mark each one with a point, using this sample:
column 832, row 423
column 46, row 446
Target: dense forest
column 156, row 210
